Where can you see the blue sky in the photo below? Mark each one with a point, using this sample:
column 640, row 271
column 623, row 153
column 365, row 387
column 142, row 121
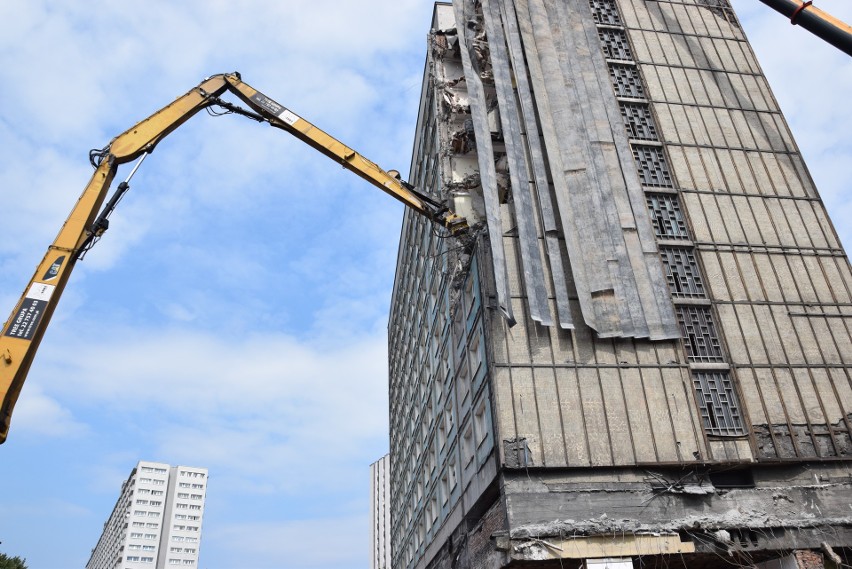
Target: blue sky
column 233, row 317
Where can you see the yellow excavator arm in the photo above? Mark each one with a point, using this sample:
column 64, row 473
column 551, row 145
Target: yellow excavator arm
column 23, row 331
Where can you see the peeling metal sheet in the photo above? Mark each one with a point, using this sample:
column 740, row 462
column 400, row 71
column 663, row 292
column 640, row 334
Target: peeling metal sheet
column 518, row 175
column 618, row 277
column 657, row 317
column 549, row 76
column 540, row 187
column 467, row 23
column 608, row 261
column 555, row 117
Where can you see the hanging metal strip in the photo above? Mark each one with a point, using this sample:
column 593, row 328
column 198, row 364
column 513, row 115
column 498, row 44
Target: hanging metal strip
column 466, row 24
column 658, row 320
column 539, row 185
column 606, row 183
column 518, row 174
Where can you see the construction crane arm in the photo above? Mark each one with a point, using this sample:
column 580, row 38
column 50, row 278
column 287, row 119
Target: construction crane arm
column 280, row 117
column 23, row 331
column 816, row 21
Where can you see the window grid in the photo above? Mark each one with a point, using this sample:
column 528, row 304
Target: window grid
column 682, row 272
column 667, row 217
column 699, row 334
column 718, row 403
column 653, row 168
column 605, row 12
column 638, row 121
column 627, row 82
column 614, row 43
column 717, row 400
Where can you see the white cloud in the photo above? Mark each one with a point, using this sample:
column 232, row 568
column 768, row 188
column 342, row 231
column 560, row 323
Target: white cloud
column 248, row 406
column 39, row 414
column 126, row 366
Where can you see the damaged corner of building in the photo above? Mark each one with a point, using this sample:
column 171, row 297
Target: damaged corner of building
column 599, row 375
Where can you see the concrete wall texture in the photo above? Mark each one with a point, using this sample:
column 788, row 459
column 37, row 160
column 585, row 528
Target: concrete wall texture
column 649, row 328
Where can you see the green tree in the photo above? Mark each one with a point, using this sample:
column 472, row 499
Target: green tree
column 16, row 562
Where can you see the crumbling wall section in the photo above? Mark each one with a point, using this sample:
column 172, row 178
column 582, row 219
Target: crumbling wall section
column 473, row 545
column 783, row 509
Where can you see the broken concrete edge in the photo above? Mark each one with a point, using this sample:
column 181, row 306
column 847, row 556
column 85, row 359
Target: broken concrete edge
column 612, row 527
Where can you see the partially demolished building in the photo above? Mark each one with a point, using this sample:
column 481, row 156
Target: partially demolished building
column 642, row 352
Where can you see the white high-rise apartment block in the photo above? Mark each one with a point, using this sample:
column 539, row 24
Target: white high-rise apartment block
column 380, row 521
column 156, row 521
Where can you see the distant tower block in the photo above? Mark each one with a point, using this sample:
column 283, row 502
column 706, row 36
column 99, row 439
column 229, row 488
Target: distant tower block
column 380, row 523
column 156, row 522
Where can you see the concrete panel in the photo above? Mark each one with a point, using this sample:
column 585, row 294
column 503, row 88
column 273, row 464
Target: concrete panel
column 574, row 424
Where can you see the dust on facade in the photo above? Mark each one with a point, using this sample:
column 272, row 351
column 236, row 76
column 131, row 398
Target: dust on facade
column 156, row 521
column 641, row 356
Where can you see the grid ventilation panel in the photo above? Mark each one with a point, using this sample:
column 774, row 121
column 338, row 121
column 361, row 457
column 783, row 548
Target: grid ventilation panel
column 627, row 82
column 667, row 217
column 699, row 334
column 718, row 403
column 605, row 12
column 615, row 44
column 682, row 272
column 638, row 121
column 653, row 168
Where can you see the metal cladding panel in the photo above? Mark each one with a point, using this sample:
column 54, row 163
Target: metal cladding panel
column 464, row 11
column 559, row 72
column 539, row 184
column 518, row 173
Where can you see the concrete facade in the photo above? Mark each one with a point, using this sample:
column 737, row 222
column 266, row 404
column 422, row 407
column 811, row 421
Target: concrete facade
column 541, row 411
column 380, row 521
column 156, row 521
